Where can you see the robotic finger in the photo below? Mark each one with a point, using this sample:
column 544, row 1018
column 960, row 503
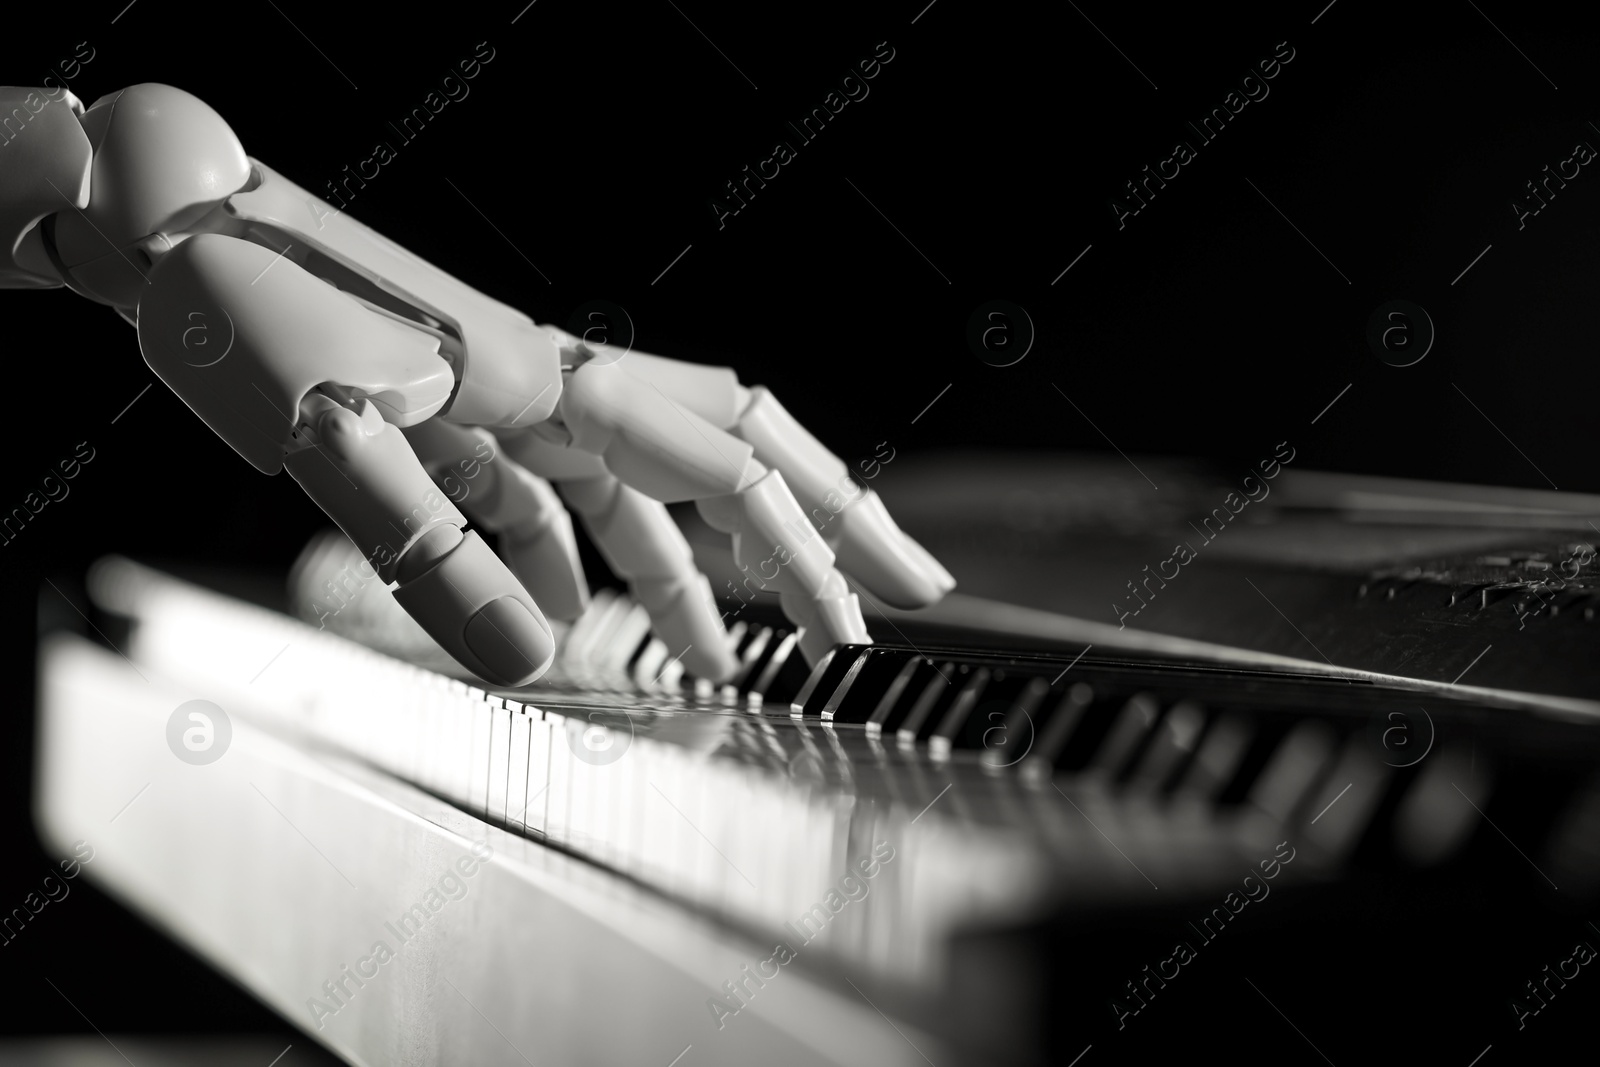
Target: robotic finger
column 503, row 496
column 323, row 393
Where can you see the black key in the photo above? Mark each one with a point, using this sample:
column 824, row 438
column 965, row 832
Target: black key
column 956, row 715
column 1006, row 729
column 755, row 656
column 1284, row 784
column 936, row 692
column 638, row 650
column 857, row 703
column 783, row 645
column 1216, row 761
column 1172, row 743
column 1266, row 737
column 1060, row 725
column 749, row 650
column 1127, row 733
column 645, row 664
column 786, row 681
column 843, row 664
column 897, row 698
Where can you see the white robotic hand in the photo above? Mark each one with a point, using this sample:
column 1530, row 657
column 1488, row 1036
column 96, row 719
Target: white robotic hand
column 393, row 392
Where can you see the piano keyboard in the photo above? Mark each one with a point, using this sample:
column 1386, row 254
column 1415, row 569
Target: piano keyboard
column 1011, row 789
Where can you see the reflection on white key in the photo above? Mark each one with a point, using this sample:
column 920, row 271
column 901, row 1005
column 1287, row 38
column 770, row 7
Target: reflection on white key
column 847, row 774
column 621, row 825
column 660, row 823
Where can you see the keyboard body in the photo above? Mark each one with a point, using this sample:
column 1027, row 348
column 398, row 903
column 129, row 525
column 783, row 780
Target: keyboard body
column 914, row 853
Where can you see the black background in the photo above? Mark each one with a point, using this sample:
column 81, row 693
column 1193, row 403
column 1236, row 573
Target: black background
column 595, row 140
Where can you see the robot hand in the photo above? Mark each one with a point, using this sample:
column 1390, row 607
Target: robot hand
column 392, row 392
